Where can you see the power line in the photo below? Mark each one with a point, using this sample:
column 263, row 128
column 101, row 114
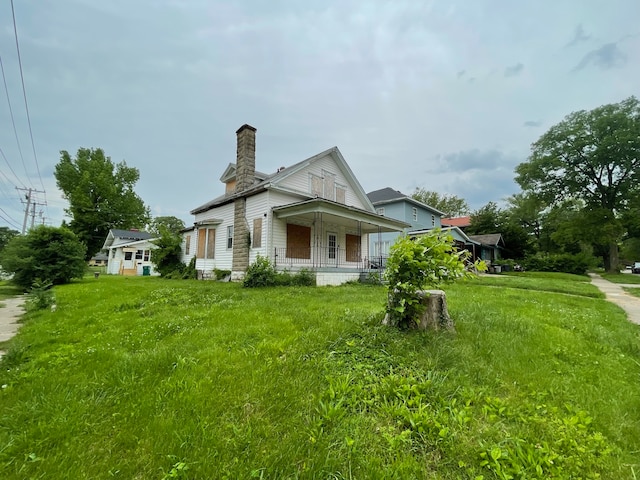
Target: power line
column 11, row 168
column 15, row 132
column 11, row 222
column 26, row 105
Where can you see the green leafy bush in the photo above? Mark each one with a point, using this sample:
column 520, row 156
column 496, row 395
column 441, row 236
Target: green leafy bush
column 220, row 274
column 262, row 273
column 419, row 263
column 166, row 258
column 51, row 254
column 578, row 264
column 190, row 272
column 40, row 296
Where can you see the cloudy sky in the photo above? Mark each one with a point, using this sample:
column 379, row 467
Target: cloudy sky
column 444, row 95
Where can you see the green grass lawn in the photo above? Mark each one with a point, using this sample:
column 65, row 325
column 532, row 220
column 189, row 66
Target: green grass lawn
column 622, row 278
column 7, row 290
column 151, row 378
column 635, row 291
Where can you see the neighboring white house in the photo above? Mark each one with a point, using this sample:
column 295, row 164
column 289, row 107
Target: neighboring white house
column 313, row 215
column 129, row 252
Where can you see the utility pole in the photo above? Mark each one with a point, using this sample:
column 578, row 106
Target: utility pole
column 33, row 214
column 29, row 202
column 26, row 211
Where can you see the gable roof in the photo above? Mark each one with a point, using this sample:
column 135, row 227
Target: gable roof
column 493, row 239
column 467, row 239
column 230, row 174
column 385, row 194
column 388, row 195
column 457, row 221
column 120, row 237
column 273, row 180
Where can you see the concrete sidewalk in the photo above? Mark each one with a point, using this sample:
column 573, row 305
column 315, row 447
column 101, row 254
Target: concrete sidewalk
column 615, row 294
column 9, row 316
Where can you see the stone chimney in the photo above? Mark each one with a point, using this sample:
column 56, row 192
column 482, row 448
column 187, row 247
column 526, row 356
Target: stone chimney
column 245, row 157
column 245, row 177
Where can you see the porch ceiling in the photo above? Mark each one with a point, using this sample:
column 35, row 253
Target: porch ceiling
column 339, row 214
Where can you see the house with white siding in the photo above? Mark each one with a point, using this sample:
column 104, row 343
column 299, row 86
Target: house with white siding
column 313, row 214
column 129, row 252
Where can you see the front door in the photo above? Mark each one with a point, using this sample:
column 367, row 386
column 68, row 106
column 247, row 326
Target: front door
column 332, row 249
column 128, row 260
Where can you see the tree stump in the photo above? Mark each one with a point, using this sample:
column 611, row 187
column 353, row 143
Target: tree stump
column 435, row 316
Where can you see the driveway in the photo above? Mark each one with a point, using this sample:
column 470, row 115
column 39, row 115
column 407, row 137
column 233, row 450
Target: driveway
column 617, row 295
column 9, row 315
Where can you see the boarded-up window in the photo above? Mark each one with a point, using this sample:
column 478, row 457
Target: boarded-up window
column 329, row 186
column 341, row 194
column 187, row 245
column 298, row 241
column 211, row 243
column 230, row 186
column 316, row 185
column 353, row 248
column 202, row 242
column 257, row 233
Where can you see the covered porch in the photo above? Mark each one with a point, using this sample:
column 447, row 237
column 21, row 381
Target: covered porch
column 327, row 236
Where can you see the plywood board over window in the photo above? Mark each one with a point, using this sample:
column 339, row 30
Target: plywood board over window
column 341, row 193
column 316, row 185
column 329, row 186
column 298, row 241
column 202, row 242
column 211, row 243
column 256, row 241
column 353, row 248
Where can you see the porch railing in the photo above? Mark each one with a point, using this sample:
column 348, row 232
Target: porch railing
column 326, row 257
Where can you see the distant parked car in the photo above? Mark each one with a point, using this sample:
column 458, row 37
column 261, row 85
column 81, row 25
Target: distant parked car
column 636, row 268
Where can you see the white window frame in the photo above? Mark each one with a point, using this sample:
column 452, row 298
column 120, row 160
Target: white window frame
column 229, row 237
column 380, row 211
column 414, row 213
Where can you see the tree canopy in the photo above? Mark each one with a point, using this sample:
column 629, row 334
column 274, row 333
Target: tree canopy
column 592, row 156
column 6, row 234
column 48, row 254
column 101, row 196
column 167, row 224
column 167, row 257
column 450, row 205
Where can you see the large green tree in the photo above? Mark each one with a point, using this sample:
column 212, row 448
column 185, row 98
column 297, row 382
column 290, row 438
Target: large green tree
column 48, row 254
column 166, row 224
column 167, row 257
column 450, row 205
column 101, row 196
column 592, row 156
column 492, row 219
column 6, row 234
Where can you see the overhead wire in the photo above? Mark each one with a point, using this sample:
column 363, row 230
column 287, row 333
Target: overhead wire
column 11, row 221
column 12, row 171
column 26, row 105
column 13, row 122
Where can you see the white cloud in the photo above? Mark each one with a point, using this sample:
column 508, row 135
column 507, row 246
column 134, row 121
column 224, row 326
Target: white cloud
column 396, row 85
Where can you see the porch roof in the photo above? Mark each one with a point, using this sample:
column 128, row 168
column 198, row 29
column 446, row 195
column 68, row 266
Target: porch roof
column 339, row 214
